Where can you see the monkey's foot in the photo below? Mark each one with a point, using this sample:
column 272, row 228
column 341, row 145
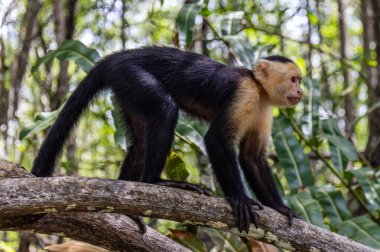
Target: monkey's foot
column 245, row 212
column 139, row 221
column 287, row 212
column 184, row 185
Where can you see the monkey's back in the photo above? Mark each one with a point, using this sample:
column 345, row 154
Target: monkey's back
column 198, row 84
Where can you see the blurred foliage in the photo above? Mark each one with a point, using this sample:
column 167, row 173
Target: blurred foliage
column 317, row 167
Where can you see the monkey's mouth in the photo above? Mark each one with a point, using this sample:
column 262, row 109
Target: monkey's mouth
column 294, row 99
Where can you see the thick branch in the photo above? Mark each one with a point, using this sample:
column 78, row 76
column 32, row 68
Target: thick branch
column 25, row 196
column 112, row 231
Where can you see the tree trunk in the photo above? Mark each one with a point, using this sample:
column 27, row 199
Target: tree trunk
column 373, row 78
column 348, row 99
column 4, row 94
column 324, row 79
column 64, row 29
column 123, row 23
column 21, row 60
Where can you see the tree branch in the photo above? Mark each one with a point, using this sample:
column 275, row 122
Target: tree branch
column 112, row 231
column 26, row 196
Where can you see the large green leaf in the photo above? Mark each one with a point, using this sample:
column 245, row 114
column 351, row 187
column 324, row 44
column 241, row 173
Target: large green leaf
column 371, row 191
column 307, row 208
column 229, row 23
column 41, row 122
column 245, row 53
column 363, row 230
column 341, row 149
column 185, row 22
column 119, row 136
column 188, row 240
column 290, row 153
column 334, row 206
column 186, row 132
column 226, row 241
column 175, row 168
column 313, row 108
column 71, row 49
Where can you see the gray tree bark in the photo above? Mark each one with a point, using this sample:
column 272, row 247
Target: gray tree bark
column 21, row 61
column 116, row 232
column 348, row 99
column 373, row 19
column 56, row 195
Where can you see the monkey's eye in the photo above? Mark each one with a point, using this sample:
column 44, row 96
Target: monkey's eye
column 293, row 79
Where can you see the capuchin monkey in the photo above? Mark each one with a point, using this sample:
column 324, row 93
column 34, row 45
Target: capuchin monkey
column 152, row 84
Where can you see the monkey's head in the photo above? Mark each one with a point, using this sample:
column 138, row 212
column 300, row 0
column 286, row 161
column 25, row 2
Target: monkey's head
column 281, row 78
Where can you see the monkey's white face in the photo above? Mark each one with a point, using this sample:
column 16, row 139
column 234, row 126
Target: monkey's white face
column 282, row 82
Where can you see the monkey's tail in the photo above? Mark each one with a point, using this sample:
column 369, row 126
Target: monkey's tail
column 51, row 148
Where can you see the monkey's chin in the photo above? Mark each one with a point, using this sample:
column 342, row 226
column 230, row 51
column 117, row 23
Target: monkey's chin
column 293, row 101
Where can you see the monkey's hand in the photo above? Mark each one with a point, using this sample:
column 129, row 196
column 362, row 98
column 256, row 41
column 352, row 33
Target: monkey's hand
column 139, row 221
column 245, row 212
column 287, row 212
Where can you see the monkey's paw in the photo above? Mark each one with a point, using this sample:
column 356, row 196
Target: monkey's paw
column 139, row 221
column 245, row 212
column 287, row 212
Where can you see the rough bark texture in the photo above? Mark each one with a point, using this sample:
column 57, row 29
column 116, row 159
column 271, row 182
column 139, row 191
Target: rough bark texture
column 21, row 61
column 3, row 90
column 26, row 196
column 348, row 99
column 64, row 26
column 112, row 231
column 373, row 145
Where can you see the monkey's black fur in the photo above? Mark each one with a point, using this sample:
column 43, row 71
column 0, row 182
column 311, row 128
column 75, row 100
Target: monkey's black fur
column 278, row 58
column 150, row 85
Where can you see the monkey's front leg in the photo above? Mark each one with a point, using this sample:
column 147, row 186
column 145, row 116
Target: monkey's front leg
column 223, row 159
column 260, row 179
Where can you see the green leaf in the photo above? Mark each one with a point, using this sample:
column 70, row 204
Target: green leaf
column 313, row 108
column 229, row 23
column 363, row 230
column 75, row 50
column 241, row 48
column 119, row 135
column 41, row 122
column 367, row 184
column 334, row 206
column 185, row 22
column 341, row 149
column 307, row 208
column 226, row 241
column 312, row 18
column 176, row 167
column 188, row 240
column 186, row 132
column 291, row 155
column 245, row 53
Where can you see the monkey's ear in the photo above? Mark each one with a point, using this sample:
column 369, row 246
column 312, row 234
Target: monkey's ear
column 262, row 64
column 261, row 69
